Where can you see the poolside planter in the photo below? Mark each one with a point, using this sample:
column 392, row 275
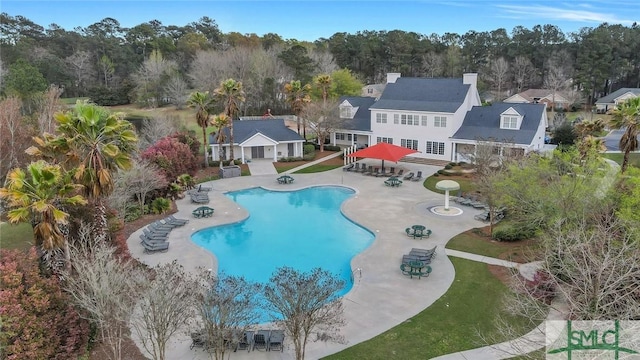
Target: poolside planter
column 230, row 171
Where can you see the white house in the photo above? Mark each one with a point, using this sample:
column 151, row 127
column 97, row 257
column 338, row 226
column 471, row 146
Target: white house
column 434, row 115
column 259, row 139
column 609, row 102
column 541, row 96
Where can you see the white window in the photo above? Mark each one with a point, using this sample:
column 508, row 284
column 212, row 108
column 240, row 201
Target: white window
column 370, row 90
column 434, row 147
column 509, row 122
column 396, row 119
column 349, row 137
column 424, row 120
column 381, row 118
column 384, row 139
column 410, row 144
column 345, row 112
column 339, row 136
column 440, row 121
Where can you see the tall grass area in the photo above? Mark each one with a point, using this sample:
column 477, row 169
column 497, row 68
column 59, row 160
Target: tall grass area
column 19, row 236
column 451, row 324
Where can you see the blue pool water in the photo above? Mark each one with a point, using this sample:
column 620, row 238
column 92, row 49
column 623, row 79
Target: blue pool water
column 301, row 229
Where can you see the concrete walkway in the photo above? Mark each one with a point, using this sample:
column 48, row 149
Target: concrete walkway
column 373, row 305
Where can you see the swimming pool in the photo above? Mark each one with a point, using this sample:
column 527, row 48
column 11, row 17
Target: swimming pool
column 302, row 229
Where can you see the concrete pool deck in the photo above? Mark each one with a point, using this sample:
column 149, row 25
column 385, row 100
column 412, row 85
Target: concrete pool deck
column 381, row 297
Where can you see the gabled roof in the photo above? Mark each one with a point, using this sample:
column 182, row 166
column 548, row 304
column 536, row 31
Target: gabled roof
column 423, row 94
column 274, row 129
column 362, row 119
column 483, row 123
column 610, row 99
column 531, row 95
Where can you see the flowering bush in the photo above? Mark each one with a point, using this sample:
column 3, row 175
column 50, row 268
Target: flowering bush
column 37, row 319
column 172, row 157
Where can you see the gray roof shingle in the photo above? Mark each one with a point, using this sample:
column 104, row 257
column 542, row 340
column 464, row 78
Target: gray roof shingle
column 611, row 97
column 362, row 119
column 423, row 94
column 272, row 128
column 483, row 123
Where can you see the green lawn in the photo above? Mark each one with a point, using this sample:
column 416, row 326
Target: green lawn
column 634, row 158
column 317, row 168
column 518, row 251
column 18, row 236
column 466, row 184
column 449, row 325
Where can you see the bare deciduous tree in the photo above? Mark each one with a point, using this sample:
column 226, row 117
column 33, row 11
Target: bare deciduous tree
column 433, row 64
column 523, row 72
column 164, row 307
column 156, row 129
column 49, row 104
column 13, row 134
column 308, row 304
column 177, row 90
column 81, row 66
column 105, row 287
column 325, row 63
column 226, row 306
column 142, row 178
column 323, row 118
column 150, row 77
column 499, row 73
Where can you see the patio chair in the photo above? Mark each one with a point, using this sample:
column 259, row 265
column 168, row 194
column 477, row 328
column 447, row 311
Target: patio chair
column 260, row 340
column 198, row 340
column 155, row 235
column 276, row 338
column 409, row 176
column 400, row 173
column 159, row 227
column 418, row 176
column 145, row 238
column 431, row 251
column 406, row 259
column 199, row 198
column 369, row 170
column 203, row 188
column 245, row 342
column 356, row 168
column 348, row 167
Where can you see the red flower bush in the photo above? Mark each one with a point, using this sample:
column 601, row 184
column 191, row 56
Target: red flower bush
column 172, row 157
column 38, row 320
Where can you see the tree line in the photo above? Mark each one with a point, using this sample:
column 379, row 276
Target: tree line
column 153, row 63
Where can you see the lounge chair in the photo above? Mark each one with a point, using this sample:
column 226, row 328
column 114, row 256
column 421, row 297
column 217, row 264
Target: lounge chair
column 198, row 340
column 261, row 339
column 348, row 167
column 172, row 220
column 355, row 168
column 155, row 235
column 203, row 188
column 276, row 338
column 418, row 176
column 155, row 246
column 406, row 259
column 431, row 251
column 159, row 227
column 245, row 341
column 409, row 176
column 369, row 170
column 400, row 173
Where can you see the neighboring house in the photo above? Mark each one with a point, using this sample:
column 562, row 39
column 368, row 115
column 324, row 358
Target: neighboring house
column 518, row 128
column 373, row 90
column 609, row 102
column 259, row 139
column 356, row 117
column 425, row 114
column 541, row 96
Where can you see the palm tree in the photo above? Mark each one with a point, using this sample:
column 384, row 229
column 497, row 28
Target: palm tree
column 590, row 144
column 202, row 102
column 297, row 97
column 39, row 196
column 220, row 121
column 324, row 83
column 94, row 142
column 627, row 115
column 231, row 95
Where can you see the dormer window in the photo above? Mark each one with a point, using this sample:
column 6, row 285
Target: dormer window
column 510, row 119
column 345, row 112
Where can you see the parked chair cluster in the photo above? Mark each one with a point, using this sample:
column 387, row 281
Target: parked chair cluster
column 285, row 179
column 498, row 215
column 199, row 195
column 155, row 236
column 469, row 200
column 268, row 340
column 416, row 263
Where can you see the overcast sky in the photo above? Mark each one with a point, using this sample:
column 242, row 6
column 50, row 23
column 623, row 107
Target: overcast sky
column 314, row 19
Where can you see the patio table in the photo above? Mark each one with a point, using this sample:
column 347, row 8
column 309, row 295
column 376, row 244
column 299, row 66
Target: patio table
column 202, row 211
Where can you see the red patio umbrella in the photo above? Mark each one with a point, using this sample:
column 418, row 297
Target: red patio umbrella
column 383, row 151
